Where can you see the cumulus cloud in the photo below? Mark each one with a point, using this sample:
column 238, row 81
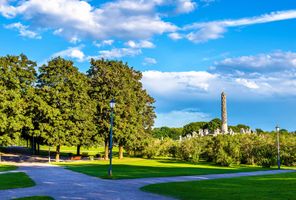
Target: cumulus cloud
column 23, row 30
column 71, row 52
column 178, row 118
column 175, row 36
column 104, row 43
column 140, row 45
column 126, row 19
column 171, row 83
column 185, row 6
column 204, row 31
column 149, row 61
column 246, row 77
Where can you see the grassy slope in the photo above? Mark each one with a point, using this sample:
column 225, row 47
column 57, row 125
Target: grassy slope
column 141, row 168
column 4, row 167
column 15, row 180
column 35, row 198
column 269, row 187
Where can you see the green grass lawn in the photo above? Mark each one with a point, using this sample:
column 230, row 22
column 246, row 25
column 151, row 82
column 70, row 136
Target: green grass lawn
column 15, row 180
column 269, row 187
column 91, row 151
column 35, row 198
column 141, row 168
column 4, row 167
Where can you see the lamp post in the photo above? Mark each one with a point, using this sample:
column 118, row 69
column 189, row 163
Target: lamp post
column 277, row 128
column 112, row 105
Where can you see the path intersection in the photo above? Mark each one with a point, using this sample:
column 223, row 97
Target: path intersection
column 60, row 183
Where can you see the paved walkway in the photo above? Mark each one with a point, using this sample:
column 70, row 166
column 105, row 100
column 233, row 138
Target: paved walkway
column 60, row 183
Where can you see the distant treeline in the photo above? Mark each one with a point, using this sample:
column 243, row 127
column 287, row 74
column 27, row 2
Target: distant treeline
column 190, row 128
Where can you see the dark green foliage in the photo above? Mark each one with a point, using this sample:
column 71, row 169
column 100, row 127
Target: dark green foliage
column 67, row 111
column 193, row 127
column 134, row 113
column 214, row 124
column 164, row 132
column 17, row 76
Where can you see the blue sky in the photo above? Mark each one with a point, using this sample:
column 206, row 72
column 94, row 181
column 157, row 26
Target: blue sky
column 189, row 51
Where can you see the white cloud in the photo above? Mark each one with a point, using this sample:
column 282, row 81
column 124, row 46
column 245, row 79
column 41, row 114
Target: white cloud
column 140, row 44
column 185, row 6
column 126, row 19
column 175, row 36
column 267, row 63
column 179, row 118
column 71, row 52
column 149, row 61
column 104, row 43
column 247, row 77
column 247, row 83
column 172, row 83
column 202, row 32
column 23, row 30
column 119, row 53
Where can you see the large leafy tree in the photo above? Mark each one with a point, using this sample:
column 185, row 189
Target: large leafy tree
column 134, row 113
column 17, row 77
column 67, row 110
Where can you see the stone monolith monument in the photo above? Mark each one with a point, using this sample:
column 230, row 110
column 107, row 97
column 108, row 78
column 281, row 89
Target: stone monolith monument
column 224, row 128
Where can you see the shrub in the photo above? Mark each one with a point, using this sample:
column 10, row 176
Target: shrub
column 265, row 151
column 226, row 150
column 151, row 149
column 190, row 149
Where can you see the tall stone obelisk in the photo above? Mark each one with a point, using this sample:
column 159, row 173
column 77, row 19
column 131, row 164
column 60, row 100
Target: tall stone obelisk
column 224, row 128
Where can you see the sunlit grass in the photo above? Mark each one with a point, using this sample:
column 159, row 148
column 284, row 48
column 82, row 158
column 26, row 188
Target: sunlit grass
column 141, row 168
column 268, row 187
column 4, row 167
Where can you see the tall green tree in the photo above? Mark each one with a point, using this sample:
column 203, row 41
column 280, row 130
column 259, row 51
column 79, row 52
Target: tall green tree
column 17, row 77
column 67, row 110
column 134, row 112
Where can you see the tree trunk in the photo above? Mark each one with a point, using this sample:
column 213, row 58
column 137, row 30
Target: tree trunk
column 106, row 150
column 78, row 150
column 120, row 151
column 38, row 146
column 58, row 153
column 27, row 143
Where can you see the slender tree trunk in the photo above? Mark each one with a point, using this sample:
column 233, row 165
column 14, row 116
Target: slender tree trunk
column 120, row 151
column 78, row 150
column 38, row 146
column 27, row 143
column 0, row 157
column 106, row 150
column 35, row 147
column 58, row 153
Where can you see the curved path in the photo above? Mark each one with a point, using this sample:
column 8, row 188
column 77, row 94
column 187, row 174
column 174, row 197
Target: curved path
column 60, row 183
